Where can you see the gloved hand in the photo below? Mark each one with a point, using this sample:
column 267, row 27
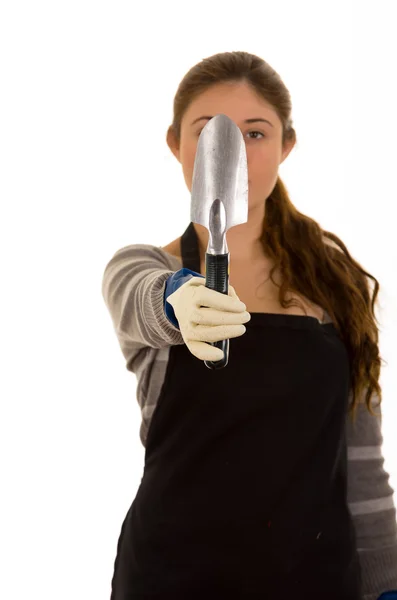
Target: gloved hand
column 222, row 320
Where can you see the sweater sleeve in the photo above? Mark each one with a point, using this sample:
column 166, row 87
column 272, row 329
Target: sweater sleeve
column 370, row 499
column 133, row 288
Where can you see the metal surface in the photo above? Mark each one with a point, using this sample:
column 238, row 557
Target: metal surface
column 219, row 197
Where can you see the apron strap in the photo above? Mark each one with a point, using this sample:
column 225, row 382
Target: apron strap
column 190, row 249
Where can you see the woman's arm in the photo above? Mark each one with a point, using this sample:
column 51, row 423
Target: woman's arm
column 370, row 499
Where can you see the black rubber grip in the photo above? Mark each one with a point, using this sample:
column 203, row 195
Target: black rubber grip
column 217, row 278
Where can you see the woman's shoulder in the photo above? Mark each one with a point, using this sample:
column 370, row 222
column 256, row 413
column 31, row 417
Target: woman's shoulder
column 173, row 248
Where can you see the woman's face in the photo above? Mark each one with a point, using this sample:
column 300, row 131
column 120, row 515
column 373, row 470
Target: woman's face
column 263, row 140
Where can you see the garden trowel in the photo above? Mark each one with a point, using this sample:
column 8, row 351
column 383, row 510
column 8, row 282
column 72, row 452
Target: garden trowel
column 219, row 201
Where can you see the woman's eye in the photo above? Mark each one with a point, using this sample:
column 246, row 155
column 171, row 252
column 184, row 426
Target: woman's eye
column 255, row 138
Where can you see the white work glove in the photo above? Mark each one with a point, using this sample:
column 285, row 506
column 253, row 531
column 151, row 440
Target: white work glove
column 221, row 321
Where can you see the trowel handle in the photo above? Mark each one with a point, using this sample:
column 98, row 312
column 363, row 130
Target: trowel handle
column 217, row 278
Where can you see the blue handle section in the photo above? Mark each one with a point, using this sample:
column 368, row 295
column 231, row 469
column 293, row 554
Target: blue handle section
column 392, row 595
column 171, row 285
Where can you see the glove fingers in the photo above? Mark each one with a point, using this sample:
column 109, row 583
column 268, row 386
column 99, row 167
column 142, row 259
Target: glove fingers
column 208, row 316
column 224, row 302
column 215, row 333
column 204, row 351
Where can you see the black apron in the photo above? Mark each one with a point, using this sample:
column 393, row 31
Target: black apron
column 244, row 491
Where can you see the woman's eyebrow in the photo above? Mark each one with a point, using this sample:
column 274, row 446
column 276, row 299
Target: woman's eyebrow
column 246, row 120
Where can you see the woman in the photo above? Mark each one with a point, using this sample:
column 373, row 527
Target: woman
column 264, row 479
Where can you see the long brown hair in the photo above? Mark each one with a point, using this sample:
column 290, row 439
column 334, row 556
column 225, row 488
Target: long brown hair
column 312, row 262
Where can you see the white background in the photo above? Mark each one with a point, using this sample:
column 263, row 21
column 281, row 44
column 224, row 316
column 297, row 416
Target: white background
column 86, row 99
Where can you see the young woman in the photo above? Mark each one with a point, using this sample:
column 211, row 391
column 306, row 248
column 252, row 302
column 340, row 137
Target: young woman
column 264, row 479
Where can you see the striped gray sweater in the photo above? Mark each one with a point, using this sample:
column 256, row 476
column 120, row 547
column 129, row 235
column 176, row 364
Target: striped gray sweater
column 133, row 288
